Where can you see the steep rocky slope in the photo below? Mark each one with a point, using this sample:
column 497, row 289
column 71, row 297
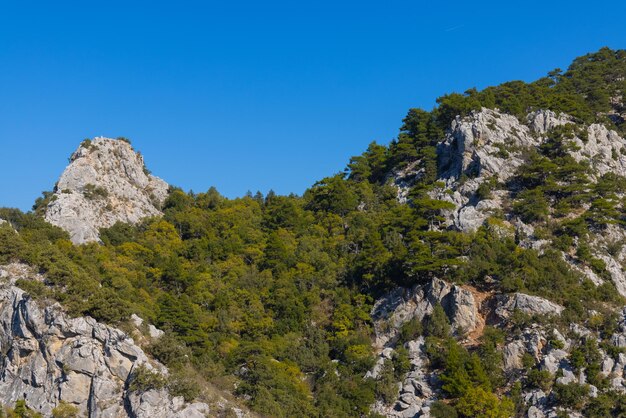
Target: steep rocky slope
column 106, row 182
column 474, row 266
column 49, row 358
column 491, row 148
column 490, row 145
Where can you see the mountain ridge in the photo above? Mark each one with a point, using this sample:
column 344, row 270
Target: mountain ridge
column 475, row 266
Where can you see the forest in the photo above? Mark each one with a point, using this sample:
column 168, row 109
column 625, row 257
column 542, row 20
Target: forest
column 272, row 294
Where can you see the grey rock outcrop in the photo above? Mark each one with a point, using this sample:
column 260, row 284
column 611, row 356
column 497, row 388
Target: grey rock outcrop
column 402, row 305
column 531, row 305
column 46, row 357
column 105, row 182
column 543, row 121
column 603, row 148
column 486, row 145
column 513, row 353
column 609, row 246
column 415, row 393
column 478, row 145
column 489, row 146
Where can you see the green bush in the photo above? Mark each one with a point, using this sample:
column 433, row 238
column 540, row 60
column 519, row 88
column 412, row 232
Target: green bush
column 144, row 379
column 93, row 192
column 572, row 395
column 65, row 410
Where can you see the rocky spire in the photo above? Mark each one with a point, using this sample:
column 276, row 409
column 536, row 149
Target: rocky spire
column 105, row 182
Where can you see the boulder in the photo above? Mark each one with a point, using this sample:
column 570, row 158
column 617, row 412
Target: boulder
column 531, row 305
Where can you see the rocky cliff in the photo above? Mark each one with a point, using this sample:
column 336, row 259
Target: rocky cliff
column 488, row 147
column 106, row 182
column 48, row 358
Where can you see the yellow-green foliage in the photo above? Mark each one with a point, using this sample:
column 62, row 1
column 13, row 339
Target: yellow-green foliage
column 65, row 410
column 273, row 293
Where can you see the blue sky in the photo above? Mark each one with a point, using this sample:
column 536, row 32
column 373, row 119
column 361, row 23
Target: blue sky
column 257, row 95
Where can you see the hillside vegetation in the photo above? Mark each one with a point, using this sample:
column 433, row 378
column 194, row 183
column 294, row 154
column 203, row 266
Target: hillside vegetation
column 271, row 297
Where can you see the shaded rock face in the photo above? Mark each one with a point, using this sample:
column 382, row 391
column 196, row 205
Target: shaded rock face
column 104, row 183
column 47, row 357
column 402, row 305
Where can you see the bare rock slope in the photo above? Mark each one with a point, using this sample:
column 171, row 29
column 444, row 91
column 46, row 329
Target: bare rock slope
column 47, row 357
column 105, row 182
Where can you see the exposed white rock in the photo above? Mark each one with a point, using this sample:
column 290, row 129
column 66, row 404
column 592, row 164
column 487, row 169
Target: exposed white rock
column 405, row 178
column 559, row 337
column 612, row 237
column 513, row 353
column 469, row 218
column 481, row 145
column 104, row 183
column 543, row 121
column 603, row 148
column 532, row 305
column 526, row 238
column 534, row 412
column 567, row 378
column 154, row 332
column 415, row 392
column 47, row 357
column 403, row 305
column 552, row 361
column 136, row 320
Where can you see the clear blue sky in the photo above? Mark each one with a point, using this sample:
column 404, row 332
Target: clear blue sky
column 257, row 95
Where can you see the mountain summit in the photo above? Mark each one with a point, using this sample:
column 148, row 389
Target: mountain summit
column 106, row 182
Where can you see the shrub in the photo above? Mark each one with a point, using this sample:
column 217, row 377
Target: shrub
column 401, row 362
column 440, row 409
column 65, row 410
column 410, row 330
column 386, row 384
column 477, row 402
column 438, row 324
column 21, row 410
column 573, row 395
column 144, row 379
column 92, row 192
column 541, row 379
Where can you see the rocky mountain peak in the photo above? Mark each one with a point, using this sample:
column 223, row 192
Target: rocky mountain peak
column 490, row 147
column 105, row 182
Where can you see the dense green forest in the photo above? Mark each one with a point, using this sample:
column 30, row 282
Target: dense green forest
column 273, row 293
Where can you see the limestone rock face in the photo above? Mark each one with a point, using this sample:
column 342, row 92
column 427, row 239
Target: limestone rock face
column 403, row 305
column 484, row 145
column 415, row 392
column 47, row 357
column 603, row 149
column 531, row 305
column 477, row 145
column 487, row 147
column 105, row 182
